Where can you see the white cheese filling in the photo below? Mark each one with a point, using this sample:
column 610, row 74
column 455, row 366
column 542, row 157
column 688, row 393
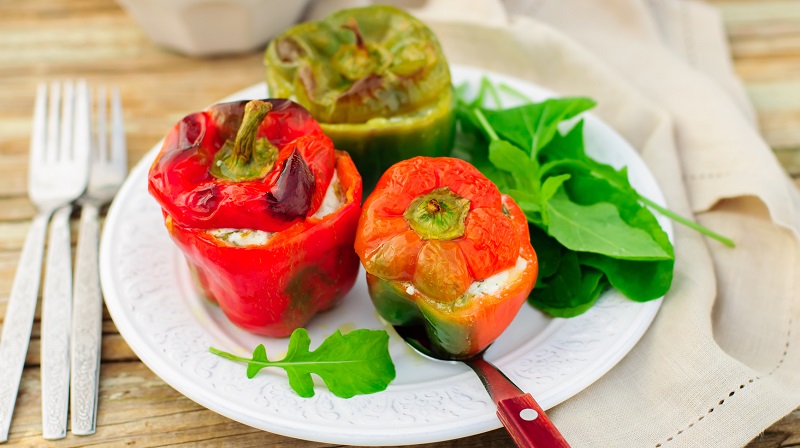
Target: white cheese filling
column 487, row 286
column 250, row 237
column 242, row 237
column 332, row 200
column 495, row 283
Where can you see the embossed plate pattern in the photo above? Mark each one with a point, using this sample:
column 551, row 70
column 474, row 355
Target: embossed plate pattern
column 149, row 293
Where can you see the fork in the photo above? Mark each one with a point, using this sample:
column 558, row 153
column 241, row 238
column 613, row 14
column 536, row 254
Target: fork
column 57, row 175
column 108, row 170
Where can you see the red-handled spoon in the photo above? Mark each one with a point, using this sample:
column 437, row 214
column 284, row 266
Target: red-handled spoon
column 522, row 417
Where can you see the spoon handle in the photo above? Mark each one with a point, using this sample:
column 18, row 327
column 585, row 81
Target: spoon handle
column 527, row 423
column 520, row 414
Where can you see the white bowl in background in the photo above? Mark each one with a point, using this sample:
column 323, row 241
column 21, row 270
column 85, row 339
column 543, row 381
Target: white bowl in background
column 214, row 27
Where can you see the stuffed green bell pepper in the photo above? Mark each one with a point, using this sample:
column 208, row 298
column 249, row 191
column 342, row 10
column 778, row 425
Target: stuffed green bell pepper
column 375, row 78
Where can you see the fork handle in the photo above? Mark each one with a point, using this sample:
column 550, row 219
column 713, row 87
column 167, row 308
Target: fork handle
column 87, row 326
column 19, row 318
column 521, row 415
column 527, row 423
column 56, row 318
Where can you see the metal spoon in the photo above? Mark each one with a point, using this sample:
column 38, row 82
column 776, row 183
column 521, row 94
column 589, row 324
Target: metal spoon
column 522, row 417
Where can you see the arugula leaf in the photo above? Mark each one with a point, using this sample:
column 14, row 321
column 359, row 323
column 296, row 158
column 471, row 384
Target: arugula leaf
column 350, row 364
column 532, row 126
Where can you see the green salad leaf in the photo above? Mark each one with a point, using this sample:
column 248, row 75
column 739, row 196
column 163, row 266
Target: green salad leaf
column 355, row 363
column 591, row 229
column 532, row 126
column 598, row 228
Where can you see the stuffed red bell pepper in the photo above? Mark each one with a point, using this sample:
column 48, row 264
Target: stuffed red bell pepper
column 264, row 209
column 443, row 248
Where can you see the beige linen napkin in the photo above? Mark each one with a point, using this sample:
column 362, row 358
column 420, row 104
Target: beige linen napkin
column 721, row 361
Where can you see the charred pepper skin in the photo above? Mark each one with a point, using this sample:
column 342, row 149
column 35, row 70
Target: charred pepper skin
column 202, row 184
column 375, row 78
column 182, row 180
column 430, row 230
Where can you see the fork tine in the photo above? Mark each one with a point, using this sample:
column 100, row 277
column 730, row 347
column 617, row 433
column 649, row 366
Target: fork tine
column 119, row 153
column 51, row 147
column 39, row 124
column 65, row 134
column 100, row 122
column 81, row 138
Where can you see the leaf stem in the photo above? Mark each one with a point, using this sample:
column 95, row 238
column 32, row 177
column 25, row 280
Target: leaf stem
column 232, row 357
column 498, row 103
column 514, row 92
column 227, row 355
column 687, row 222
column 478, row 100
column 460, row 91
column 485, row 124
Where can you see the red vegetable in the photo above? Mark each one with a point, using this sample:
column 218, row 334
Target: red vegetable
column 245, row 167
column 432, row 229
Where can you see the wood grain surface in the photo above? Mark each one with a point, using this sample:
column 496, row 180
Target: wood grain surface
column 95, row 39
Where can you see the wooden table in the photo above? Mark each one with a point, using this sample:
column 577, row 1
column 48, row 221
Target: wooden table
column 49, row 39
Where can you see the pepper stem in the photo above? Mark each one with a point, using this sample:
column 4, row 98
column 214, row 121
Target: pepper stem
column 244, row 145
column 247, row 157
column 434, row 206
column 352, row 25
column 438, row 215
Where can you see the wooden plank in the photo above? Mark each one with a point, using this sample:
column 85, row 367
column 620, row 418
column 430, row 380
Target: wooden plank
column 784, row 434
column 765, row 12
column 12, row 235
column 113, row 349
column 8, row 267
column 790, row 160
column 765, row 43
column 781, row 130
column 133, row 401
column 14, row 208
column 775, row 96
column 768, row 70
column 14, row 172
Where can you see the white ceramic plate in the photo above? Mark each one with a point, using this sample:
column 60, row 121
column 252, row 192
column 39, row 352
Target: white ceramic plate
column 149, row 293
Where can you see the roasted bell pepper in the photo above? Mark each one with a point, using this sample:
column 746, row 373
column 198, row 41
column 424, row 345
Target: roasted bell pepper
column 443, row 248
column 375, row 78
column 263, row 208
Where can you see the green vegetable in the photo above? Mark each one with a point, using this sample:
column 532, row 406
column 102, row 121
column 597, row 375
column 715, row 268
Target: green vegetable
column 590, row 228
column 355, row 363
column 598, row 228
column 532, row 126
column 375, row 78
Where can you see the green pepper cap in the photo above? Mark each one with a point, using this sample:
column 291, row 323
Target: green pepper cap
column 358, row 64
column 438, row 215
